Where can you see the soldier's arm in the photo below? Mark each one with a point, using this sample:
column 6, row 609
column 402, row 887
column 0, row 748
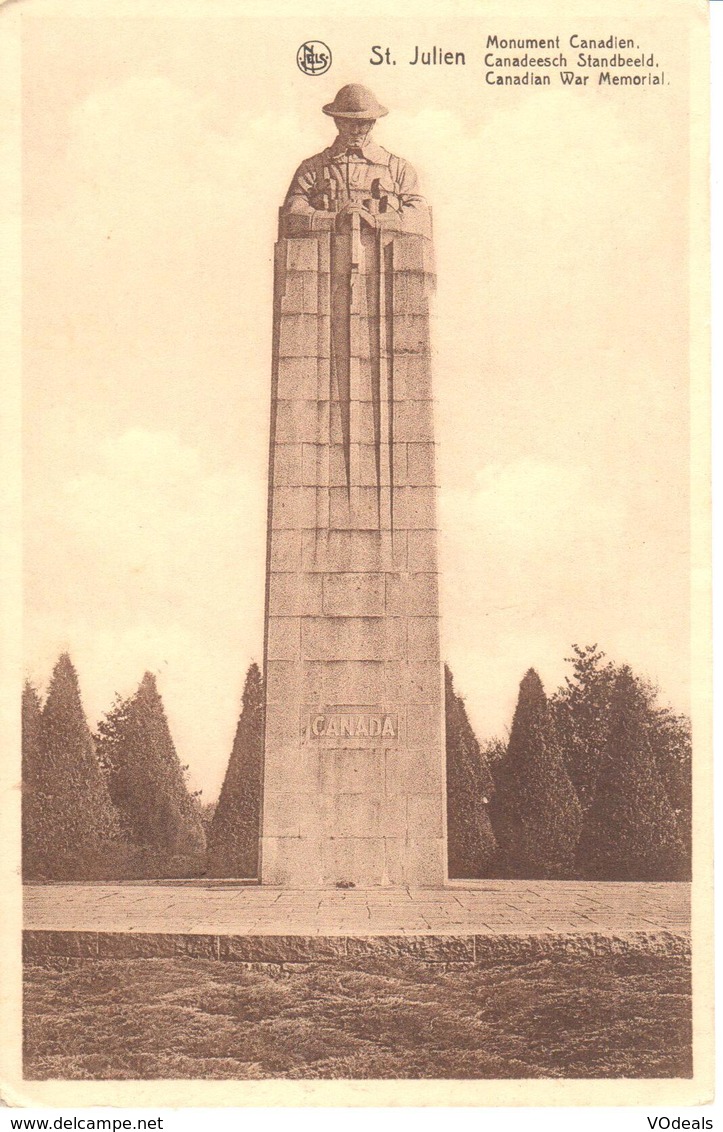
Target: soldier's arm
column 298, row 198
column 407, row 183
column 409, row 210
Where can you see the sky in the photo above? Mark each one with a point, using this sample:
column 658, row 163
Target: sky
column 156, row 154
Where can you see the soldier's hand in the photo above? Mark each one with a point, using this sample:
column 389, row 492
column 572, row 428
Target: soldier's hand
column 352, row 208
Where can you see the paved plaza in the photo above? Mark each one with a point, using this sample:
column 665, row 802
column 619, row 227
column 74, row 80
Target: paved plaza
column 481, row 908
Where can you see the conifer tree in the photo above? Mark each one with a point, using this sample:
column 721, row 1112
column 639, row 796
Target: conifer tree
column 672, row 744
column 536, row 815
column 233, row 839
column 630, row 831
column 34, row 803
column 75, row 826
column 147, row 784
column 471, row 846
column 583, row 713
column 582, row 717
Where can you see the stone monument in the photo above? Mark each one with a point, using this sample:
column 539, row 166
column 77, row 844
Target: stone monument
column 354, row 769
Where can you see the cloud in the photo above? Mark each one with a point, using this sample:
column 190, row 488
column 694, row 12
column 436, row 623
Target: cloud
column 165, row 525
column 537, row 554
column 152, row 559
column 147, row 157
column 526, row 522
column 526, row 501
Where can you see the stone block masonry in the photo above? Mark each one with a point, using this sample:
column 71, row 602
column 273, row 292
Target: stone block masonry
column 354, row 784
column 464, row 922
column 290, row 950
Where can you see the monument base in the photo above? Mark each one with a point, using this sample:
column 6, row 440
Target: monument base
column 466, row 922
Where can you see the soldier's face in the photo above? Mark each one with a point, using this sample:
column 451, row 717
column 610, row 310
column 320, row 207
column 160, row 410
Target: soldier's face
column 354, row 131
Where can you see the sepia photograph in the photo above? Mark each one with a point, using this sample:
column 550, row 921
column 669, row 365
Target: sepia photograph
column 364, row 712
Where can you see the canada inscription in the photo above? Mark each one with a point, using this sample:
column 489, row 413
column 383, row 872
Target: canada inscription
column 342, row 725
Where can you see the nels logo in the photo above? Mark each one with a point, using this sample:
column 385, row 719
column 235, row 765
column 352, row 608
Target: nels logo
column 313, row 57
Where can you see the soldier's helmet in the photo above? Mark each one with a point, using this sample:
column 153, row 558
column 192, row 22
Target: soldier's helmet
column 355, row 101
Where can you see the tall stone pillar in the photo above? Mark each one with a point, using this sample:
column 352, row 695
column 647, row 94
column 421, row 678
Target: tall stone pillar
column 354, row 777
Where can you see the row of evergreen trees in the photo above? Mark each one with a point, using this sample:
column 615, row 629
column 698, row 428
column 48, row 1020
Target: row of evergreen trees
column 115, row 804
column 593, row 783
column 111, row 805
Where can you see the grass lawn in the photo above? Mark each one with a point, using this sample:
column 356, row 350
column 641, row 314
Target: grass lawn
column 191, row 1018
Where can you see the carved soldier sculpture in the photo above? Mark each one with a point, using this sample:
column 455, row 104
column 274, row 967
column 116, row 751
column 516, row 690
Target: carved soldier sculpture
column 354, row 174
column 353, row 790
